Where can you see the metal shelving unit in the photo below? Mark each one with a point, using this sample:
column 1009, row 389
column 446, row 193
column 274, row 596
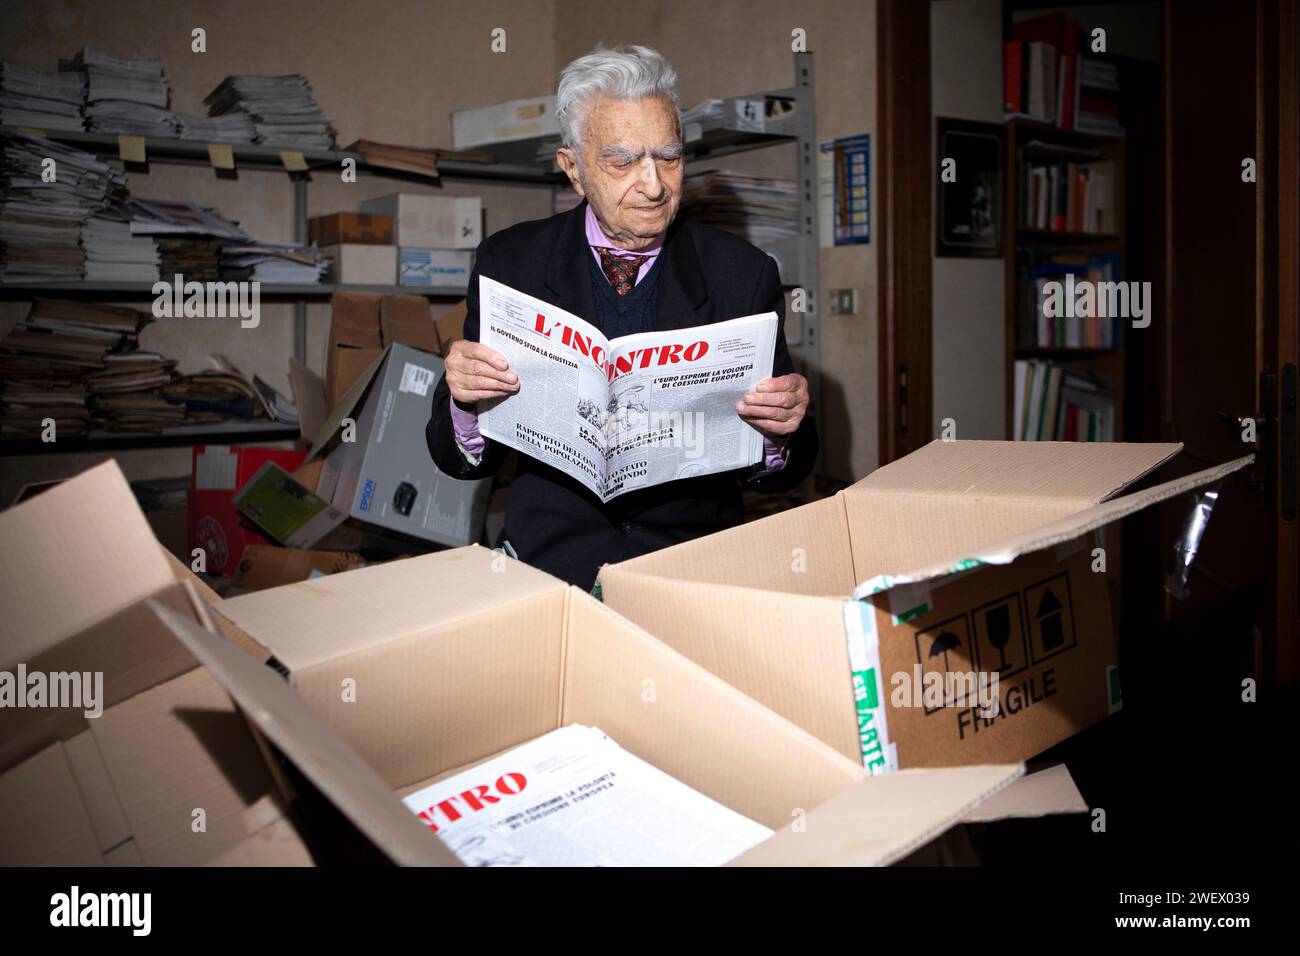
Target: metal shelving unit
column 516, row 165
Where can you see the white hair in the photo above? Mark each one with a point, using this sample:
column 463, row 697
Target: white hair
column 623, row 73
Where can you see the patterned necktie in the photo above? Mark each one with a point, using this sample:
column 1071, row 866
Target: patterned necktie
column 620, row 270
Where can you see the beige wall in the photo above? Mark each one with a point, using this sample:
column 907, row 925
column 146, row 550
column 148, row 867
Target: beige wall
column 969, row 295
column 394, row 71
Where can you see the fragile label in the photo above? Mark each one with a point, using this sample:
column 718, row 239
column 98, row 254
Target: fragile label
column 415, row 380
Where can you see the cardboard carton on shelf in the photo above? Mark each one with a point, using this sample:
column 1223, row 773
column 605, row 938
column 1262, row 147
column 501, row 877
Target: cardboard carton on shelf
column 504, row 122
column 423, row 221
column 961, row 561
column 213, row 522
column 378, row 491
column 434, row 267
column 463, row 654
column 358, row 227
column 356, row 263
column 78, row 564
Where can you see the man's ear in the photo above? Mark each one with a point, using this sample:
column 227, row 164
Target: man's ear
column 569, row 164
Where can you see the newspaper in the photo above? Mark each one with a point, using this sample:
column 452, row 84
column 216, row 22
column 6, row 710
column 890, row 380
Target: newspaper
column 628, row 413
column 573, row 797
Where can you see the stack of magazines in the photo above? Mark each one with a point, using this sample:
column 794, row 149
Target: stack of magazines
column 759, row 209
column 281, row 108
column 124, row 96
column 40, row 222
column 43, row 101
column 113, row 254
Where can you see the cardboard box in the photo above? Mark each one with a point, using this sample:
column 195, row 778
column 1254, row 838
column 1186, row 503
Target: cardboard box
column 360, row 264
column 267, row 566
column 504, row 122
column 341, row 227
column 78, row 565
column 451, row 326
column 213, row 521
column 434, row 267
column 432, row 222
column 961, row 558
column 406, row 320
column 380, row 491
column 460, row 655
column 363, row 323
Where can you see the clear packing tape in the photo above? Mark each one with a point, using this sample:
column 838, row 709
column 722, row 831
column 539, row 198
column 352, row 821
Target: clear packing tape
column 1189, row 539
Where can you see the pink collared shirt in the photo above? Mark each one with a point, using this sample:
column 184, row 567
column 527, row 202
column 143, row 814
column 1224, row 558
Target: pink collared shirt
column 465, row 424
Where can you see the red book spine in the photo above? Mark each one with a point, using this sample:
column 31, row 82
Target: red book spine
column 1012, row 56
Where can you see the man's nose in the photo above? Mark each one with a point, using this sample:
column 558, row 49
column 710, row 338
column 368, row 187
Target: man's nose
column 651, row 185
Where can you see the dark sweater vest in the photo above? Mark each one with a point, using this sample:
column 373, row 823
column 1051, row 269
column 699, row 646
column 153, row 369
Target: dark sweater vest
column 621, row 315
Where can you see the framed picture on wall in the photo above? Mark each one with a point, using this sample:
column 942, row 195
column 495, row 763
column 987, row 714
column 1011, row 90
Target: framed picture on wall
column 968, row 188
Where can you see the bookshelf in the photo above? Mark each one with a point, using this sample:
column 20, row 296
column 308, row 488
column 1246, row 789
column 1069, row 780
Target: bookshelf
column 1026, row 142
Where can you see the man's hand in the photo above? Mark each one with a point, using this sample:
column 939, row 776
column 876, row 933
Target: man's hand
column 476, row 372
column 776, row 406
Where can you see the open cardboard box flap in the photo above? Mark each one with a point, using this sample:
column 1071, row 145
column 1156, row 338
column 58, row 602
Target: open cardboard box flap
column 944, row 509
column 75, row 555
column 348, row 406
column 1054, row 532
column 874, row 821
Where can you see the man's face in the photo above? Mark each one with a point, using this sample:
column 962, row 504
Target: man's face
column 630, row 168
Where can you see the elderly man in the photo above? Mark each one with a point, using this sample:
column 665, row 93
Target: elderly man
column 621, row 262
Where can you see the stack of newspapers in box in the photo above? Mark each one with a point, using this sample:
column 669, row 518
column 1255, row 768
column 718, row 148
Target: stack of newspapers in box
column 574, row 797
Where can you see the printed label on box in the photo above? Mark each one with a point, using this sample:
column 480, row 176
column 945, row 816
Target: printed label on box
column 415, row 380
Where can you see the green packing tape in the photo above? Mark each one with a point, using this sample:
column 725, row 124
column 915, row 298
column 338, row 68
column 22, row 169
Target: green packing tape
column 878, row 754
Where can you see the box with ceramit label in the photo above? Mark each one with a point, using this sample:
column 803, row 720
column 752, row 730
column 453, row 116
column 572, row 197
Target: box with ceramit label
column 379, row 489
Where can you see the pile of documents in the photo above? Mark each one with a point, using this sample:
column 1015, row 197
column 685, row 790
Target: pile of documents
column 234, row 128
column 61, row 354
column 759, row 209
column 124, row 96
column 281, row 108
column 574, row 797
column 113, row 254
column 292, row 263
column 171, row 217
column 40, row 222
column 44, row 101
column 193, row 257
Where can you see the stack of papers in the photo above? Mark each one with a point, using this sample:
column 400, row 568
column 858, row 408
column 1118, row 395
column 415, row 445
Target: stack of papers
column 273, row 262
column 44, row 101
column 705, row 112
column 124, row 96
column 281, row 108
column 171, row 217
column 575, row 798
column 113, row 254
column 49, row 358
column 236, row 128
column 758, row 209
column 40, row 222
column 193, row 257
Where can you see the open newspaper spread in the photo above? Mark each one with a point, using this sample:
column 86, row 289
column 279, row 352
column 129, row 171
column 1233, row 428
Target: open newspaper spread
column 628, row 413
column 574, row 797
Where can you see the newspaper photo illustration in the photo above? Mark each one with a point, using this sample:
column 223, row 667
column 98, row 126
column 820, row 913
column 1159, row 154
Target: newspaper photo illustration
column 626, row 413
